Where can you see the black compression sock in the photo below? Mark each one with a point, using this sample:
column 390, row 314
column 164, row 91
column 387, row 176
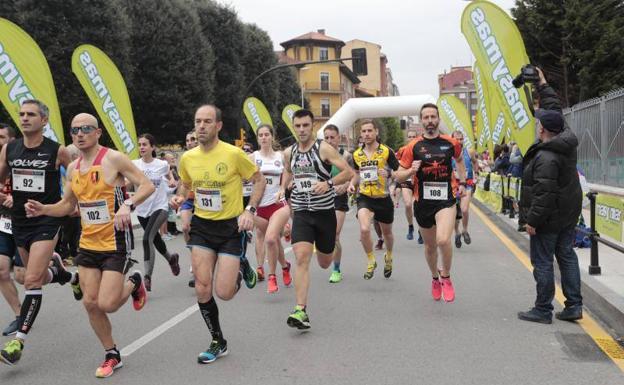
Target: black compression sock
column 30, row 309
column 210, row 313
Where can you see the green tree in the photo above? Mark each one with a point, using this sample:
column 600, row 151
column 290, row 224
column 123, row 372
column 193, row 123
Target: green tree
column 225, row 32
column 390, row 132
column 577, row 43
column 174, row 67
column 59, row 26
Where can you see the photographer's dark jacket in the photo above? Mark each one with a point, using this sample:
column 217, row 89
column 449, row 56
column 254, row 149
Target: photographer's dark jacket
column 551, row 193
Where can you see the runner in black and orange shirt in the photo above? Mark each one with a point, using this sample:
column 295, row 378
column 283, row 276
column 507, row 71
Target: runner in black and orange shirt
column 428, row 159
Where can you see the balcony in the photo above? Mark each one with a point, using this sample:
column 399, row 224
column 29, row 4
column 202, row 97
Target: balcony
column 323, row 87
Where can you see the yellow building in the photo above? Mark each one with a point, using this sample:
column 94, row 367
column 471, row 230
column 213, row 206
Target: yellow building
column 325, row 86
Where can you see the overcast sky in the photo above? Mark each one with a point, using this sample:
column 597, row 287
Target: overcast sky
column 421, row 38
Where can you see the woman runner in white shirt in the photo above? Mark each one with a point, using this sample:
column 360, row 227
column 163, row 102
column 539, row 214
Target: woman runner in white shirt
column 273, row 211
column 152, row 213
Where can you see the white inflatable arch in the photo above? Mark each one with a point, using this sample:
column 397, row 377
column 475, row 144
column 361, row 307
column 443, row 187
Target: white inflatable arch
column 381, row 107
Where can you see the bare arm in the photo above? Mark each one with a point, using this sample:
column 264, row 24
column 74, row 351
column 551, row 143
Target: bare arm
column 330, row 155
column 125, row 167
column 4, row 167
column 63, row 157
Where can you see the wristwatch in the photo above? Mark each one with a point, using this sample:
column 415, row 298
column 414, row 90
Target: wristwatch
column 251, row 209
column 330, row 183
column 129, row 203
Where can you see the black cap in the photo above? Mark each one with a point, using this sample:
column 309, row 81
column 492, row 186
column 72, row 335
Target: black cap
column 551, row 120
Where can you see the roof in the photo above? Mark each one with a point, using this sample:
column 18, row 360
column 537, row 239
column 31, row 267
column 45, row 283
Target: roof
column 315, row 37
column 457, row 76
column 364, row 41
column 282, row 58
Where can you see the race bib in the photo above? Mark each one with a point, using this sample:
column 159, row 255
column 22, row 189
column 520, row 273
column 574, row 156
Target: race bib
column 209, row 199
column 247, row 189
column 369, row 174
column 437, row 191
column 5, row 224
column 28, row 180
column 94, row 212
column 305, row 182
column 272, row 180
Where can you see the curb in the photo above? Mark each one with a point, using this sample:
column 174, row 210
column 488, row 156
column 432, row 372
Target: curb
column 598, row 304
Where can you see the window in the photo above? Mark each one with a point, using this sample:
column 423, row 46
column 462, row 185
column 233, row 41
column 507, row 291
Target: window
column 359, row 63
column 323, row 53
column 325, row 108
column 325, row 81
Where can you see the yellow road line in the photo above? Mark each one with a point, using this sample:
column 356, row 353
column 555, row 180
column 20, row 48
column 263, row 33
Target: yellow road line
column 608, row 345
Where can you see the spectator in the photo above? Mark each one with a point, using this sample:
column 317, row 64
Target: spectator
column 501, row 165
column 550, row 206
column 515, row 161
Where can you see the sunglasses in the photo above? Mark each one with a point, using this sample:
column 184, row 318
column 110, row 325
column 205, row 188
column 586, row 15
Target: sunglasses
column 84, row 129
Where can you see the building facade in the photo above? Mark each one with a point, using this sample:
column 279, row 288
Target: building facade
column 458, row 82
column 325, row 87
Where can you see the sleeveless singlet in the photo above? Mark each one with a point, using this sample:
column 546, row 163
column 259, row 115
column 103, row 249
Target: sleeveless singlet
column 98, row 202
column 272, row 169
column 308, row 169
column 35, row 176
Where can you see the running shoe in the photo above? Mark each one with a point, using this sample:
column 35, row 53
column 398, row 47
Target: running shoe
column 217, row 349
column 12, row 328
column 420, row 238
column 379, row 244
column 57, row 262
column 12, row 352
column 147, row 281
column 191, row 282
column 260, row 273
column 370, row 270
column 111, row 362
column 272, row 284
column 410, row 234
column 466, row 236
column 249, row 275
column 436, row 289
column 387, row 266
column 458, row 241
column 76, row 290
column 166, row 237
column 139, row 294
column 287, row 278
column 448, row 292
column 299, row 319
column 335, row 277
column 174, row 264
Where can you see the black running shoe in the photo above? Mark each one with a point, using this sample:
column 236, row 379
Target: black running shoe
column 458, row 241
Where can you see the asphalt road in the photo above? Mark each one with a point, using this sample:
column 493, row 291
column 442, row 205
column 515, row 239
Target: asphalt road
column 363, row 332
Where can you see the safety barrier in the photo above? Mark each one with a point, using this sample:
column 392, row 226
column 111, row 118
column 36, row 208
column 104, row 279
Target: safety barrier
column 502, row 194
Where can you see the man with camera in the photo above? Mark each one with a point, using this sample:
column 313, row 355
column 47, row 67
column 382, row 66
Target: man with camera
column 550, row 205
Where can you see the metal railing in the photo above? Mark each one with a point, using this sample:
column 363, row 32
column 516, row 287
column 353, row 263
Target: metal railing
column 594, row 236
column 323, row 87
column 599, row 125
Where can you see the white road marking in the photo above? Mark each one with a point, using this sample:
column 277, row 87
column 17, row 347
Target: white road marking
column 155, row 333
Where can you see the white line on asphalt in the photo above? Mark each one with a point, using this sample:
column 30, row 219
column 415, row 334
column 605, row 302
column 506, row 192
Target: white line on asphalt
column 138, row 344
column 152, row 335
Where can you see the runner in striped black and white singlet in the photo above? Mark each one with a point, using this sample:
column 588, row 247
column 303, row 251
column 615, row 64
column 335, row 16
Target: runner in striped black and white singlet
column 310, row 162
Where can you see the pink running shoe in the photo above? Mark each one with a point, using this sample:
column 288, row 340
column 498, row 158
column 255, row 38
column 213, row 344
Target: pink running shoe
column 286, row 275
column 447, row 289
column 436, row 289
column 272, row 284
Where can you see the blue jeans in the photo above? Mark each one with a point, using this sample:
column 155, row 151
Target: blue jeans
column 543, row 247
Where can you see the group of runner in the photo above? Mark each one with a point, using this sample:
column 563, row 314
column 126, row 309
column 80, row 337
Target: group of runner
column 223, row 194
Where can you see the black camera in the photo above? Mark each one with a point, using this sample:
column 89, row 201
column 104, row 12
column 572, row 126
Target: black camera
column 528, row 74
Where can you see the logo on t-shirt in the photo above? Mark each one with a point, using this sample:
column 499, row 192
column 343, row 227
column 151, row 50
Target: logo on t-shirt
column 222, row 168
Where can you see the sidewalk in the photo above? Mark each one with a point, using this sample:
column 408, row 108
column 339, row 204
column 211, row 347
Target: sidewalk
column 603, row 295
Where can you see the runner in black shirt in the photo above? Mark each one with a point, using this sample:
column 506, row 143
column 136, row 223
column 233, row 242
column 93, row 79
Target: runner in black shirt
column 33, row 163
